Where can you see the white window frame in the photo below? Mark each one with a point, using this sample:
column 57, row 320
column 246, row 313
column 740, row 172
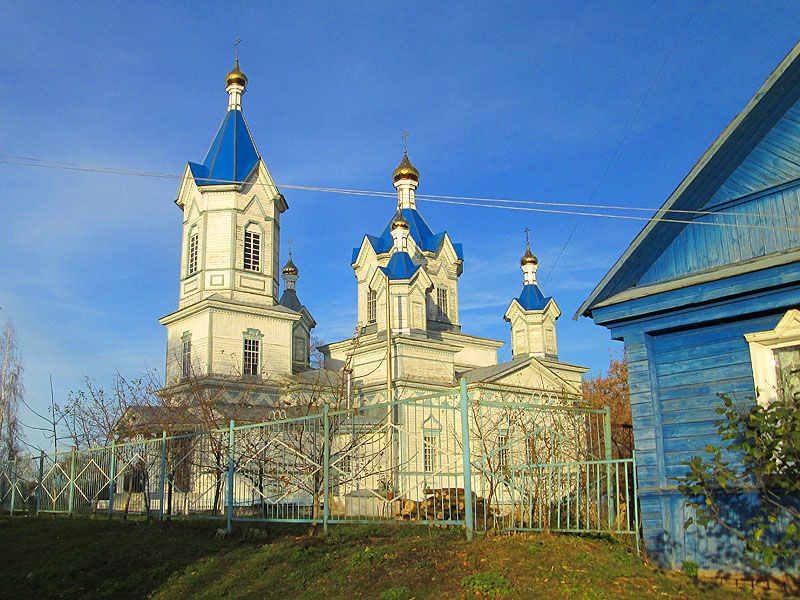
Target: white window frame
column 252, row 342
column 372, row 306
column 430, row 451
column 442, row 307
column 186, row 355
column 193, row 251
column 762, row 355
column 251, row 248
column 503, row 449
column 431, row 445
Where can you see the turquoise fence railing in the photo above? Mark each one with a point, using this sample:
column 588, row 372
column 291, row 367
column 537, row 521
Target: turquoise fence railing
column 479, row 459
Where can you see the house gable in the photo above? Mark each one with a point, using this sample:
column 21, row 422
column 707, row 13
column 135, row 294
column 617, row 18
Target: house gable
column 746, row 178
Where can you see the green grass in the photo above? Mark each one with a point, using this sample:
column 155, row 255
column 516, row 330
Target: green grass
column 49, row 557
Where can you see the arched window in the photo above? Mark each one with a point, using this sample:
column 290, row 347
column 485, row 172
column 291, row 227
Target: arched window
column 252, row 248
column 194, row 249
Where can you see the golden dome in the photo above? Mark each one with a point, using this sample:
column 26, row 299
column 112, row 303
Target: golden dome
column 236, row 75
column 290, row 268
column 405, row 170
column 528, row 258
column 399, row 221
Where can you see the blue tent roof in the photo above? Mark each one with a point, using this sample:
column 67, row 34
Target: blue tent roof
column 400, row 266
column 232, row 155
column 532, row 298
column 420, row 232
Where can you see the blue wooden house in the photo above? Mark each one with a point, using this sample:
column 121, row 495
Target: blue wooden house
column 710, row 306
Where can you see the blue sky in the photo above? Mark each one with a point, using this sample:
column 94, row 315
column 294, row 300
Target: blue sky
column 516, row 100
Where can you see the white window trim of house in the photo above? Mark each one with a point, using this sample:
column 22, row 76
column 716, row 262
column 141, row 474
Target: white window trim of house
column 762, row 354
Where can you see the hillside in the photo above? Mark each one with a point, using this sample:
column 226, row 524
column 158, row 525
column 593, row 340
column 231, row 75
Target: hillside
column 82, row 558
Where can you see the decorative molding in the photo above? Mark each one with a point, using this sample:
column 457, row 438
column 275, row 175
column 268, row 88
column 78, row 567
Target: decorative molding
column 762, row 358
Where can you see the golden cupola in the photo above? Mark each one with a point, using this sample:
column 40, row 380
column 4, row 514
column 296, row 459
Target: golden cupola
column 405, row 170
column 236, row 76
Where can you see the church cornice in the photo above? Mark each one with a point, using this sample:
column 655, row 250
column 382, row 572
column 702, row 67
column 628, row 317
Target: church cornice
column 232, row 307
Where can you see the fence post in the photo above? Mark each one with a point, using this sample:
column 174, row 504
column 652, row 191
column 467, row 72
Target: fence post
column 162, row 476
column 112, row 478
column 71, row 479
column 326, row 467
column 231, row 460
column 469, row 518
column 609, row 456
column 40, row 482
column 13, row 485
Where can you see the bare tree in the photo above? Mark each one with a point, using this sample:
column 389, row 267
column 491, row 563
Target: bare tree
column 93, row 415
column 11, row 390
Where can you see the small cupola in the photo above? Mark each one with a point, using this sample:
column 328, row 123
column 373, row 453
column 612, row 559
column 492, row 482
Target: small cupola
column 290, row 273
column 235, row 85
column 400, row 230
column 405, row 180
column 529, row 265
column 405, row 170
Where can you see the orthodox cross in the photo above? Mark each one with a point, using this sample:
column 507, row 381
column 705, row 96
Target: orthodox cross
column 290, row 248
column 527, row 240
column 405, row 142
column 236, row 43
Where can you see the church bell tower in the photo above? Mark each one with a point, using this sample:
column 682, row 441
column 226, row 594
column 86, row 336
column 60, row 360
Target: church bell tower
column 229, row 323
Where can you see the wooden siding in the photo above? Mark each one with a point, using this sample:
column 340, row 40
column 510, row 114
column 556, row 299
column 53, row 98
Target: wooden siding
column 700, row 248
column 774, row 160
column 674, row 379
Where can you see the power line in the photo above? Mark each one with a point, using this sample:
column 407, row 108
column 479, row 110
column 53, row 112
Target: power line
column 52, row 164
column 624, row 138
column 528, row 205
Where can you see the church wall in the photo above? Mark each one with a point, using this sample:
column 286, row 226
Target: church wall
column 422, row 364
column 217, row 236
column 443, row 276
column 228, row 333
column 265, row 283
column 197, row 326
column 369, row 367
column 475, row 356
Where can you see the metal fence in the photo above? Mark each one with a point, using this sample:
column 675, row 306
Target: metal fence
column 481, row 459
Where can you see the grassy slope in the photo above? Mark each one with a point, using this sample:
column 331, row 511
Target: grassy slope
column 79, row 558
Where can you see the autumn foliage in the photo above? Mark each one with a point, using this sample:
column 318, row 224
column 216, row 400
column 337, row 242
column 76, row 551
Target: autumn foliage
column 611, row 390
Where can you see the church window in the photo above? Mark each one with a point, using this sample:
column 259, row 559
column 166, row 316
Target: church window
column 502, row 447
column 252, row 248
column 252, row 348
column 372, row 306
column 430, row 449
column 441, row 302
column 431, row 428
column 400, row 319
column 194, row 243
column 186, row 356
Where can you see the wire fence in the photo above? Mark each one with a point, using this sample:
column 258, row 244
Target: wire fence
column 480, row 459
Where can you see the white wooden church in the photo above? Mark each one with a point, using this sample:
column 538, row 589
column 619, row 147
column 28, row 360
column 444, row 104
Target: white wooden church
column 234, row 328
